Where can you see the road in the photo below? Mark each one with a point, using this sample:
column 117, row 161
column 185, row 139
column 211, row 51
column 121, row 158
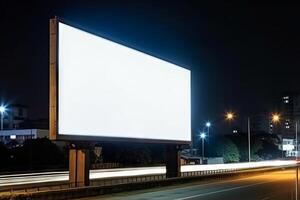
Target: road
column 33, row 178
column 278, row 185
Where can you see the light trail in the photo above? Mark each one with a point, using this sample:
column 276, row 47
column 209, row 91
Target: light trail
column 30, row 178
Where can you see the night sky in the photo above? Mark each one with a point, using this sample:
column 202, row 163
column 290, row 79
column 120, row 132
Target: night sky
column 242, row 56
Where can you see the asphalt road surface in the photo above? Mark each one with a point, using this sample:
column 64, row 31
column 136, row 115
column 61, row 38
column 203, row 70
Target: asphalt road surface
column 276, row 185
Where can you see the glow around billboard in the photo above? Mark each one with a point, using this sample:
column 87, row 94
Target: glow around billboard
column 108, row 90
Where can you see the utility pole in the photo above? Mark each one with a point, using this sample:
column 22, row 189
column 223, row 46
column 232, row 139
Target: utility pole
column 202, row 150
column 296, row 143
column 249, row 142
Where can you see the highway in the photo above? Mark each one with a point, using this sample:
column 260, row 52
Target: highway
column 278, row 185
column 31, row 178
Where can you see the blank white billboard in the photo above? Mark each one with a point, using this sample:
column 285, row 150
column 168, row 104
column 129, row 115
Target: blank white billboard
column 108, row 90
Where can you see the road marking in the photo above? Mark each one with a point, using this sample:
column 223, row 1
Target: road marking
column 213, row 182
column 223, row 190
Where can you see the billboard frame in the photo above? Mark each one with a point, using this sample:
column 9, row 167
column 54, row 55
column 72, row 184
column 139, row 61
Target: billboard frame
column 54, row 100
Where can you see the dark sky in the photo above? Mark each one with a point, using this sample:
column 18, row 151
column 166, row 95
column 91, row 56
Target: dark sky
column 242, row 56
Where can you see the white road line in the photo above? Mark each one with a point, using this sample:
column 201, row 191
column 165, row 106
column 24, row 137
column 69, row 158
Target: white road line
column 223, row 190
column 208, row 184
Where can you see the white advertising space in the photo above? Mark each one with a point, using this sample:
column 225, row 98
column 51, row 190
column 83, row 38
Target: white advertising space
column 108, row 90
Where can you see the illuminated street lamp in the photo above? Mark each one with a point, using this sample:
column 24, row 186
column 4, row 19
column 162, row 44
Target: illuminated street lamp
column 275, row 118
column 202, row 136
column 229, row 116
column 2, row 111
column 208, row 124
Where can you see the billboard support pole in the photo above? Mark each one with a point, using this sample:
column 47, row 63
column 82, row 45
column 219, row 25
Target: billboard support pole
column 79, row 166
column 172, row 161
column 53, row 79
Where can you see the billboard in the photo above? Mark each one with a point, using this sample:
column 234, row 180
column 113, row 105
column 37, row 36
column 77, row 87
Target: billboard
column 107, row 91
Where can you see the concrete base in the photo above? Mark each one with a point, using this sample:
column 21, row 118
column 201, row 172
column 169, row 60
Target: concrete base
column 172, row 161
column 79, row 170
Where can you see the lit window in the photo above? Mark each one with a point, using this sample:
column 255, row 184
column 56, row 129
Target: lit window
column 287, row 126
column 286, row 97
column 286, row 101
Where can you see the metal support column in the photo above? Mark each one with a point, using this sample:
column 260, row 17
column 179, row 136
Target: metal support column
column 79, row 170
column 172, row 161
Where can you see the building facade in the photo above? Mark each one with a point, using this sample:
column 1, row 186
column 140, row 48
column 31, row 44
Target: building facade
column 19, row 136
column 14, row 116
column 290, row 111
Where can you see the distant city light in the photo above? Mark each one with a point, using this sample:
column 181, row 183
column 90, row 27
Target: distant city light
column 13, row 137
column 202, row 135
column 229, row 116
column 288, row 147
column 208, row 124
column 2, row 109
column 275, row 117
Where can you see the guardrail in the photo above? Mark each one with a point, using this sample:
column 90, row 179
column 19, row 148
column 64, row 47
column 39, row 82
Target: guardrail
column 63, row 185
column 65, row 191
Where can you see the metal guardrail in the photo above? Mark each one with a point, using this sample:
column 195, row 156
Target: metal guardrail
column 14, row 190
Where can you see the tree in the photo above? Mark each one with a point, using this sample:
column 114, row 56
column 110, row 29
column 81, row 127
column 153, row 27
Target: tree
column 39, row 154
column 5, row 157
column 256, row 146
column 269, row 151
column 263, row 146
column 221, row 146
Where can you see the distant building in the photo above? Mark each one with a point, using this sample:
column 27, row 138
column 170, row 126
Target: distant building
column 290, row 112
column 14, row 116
column 19, row 136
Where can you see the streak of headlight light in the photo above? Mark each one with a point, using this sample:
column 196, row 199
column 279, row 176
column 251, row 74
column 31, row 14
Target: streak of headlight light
column 274, row 163
column 129, row 172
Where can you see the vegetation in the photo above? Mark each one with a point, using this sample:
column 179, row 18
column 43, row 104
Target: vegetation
column 128, row 154
column 37, row 154
column 221, row 146
column 43, row 154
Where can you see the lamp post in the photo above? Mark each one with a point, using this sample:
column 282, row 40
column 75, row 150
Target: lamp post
column 296, row 157
column 2, row 111
column 276, row 119
column 229, row 116
column 249, row 140
column 208, row 124
column 202, row 136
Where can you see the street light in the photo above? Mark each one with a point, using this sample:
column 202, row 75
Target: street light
column 202, row 136
column 249, row 139
column 229, row 116
column 275, row 117
column 208, row 124
column 2, row 111
column 296, row 157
